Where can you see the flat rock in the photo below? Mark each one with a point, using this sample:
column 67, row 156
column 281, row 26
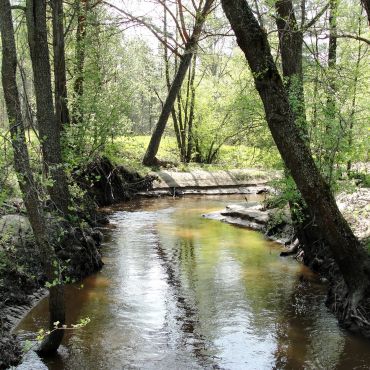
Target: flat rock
column 249, row 212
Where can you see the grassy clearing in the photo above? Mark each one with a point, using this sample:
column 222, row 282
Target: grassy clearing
column 129, row 151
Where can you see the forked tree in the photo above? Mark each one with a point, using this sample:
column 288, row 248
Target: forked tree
column 190, row 49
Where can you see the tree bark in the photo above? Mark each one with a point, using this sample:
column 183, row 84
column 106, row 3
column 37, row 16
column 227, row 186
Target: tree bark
column 25, row 177
column 291, row 46
column 49, row 129
column 330, row 150
column 167, row 75
column 291, row 51
column 366, row 4
column 348, row 253
column 191, row 45
column 82, row 8
column 60, row 79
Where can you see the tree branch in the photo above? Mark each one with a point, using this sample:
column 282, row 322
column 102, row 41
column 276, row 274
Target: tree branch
column 315, row 18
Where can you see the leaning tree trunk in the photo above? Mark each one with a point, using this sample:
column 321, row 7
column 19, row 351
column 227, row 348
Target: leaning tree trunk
column 60, row 78
column 350, row 256
column 366, row 4
column 190, row 48
column 48, row 127
column 26, row 180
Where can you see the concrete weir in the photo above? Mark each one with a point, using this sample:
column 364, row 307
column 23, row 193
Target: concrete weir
column 244, row 181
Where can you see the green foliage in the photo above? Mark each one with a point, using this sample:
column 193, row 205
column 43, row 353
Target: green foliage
column 59, row 269
column 363, row 179
column 287, row 195
column 104, row 106
column 8, row 183
column 227, row 110
column 5, row 262
column 276, row 219
column 42, row 333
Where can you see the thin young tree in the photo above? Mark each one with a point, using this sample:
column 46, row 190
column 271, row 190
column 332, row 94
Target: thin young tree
column 82, row 8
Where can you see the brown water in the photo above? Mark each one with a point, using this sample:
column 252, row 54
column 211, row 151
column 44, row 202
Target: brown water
column 182, row 292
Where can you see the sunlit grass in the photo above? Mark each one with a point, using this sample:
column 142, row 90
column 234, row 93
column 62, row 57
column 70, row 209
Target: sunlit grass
column 129, row 152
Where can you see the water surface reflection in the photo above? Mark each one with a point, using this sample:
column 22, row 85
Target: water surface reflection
column 182, row 292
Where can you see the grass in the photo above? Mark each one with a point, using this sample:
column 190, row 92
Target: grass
column 129, row 152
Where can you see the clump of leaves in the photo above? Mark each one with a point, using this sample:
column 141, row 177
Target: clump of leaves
column 361, row 178
column 286, row 194
column 42, row 333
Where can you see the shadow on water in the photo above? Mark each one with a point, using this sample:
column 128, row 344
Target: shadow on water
column 181, row 292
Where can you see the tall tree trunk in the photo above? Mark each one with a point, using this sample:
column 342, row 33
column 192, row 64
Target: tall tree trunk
column 291, row 45
column 26, row 180
column 49, row 128
column 191, row 45
column 348, row 253
column 189, row 150
column 330, row 151
column 354, row 99
column 60, row 79
column 82, row 8
column 291, row 50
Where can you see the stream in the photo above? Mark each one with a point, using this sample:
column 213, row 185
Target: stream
column 182, row 292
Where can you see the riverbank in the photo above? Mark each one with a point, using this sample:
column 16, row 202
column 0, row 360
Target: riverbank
column 21, row 274
column 276, row 224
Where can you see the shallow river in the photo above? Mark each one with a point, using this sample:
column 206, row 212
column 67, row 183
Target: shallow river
column 182, row 292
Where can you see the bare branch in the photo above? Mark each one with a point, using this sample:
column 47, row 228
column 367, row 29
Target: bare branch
column 315, row 18
column 150, row 27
